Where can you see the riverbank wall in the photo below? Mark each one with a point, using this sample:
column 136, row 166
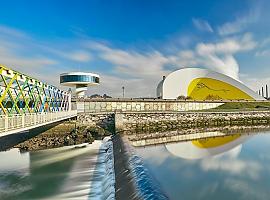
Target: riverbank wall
column 150, row 115
column 98, row 118
column 142, row 122
column 129, row 123
column 137, row 125
column 141, row 105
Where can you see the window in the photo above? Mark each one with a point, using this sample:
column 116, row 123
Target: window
column 79, row 78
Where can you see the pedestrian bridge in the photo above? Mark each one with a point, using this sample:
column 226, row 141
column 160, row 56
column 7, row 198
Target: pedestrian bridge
column 20, row 123
column 27, row 103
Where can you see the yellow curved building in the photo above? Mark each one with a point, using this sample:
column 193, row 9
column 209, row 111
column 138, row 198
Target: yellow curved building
column 204, row 84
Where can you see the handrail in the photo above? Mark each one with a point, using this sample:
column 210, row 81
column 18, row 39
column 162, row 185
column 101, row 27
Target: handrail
column 164, row 100
column 9, row 123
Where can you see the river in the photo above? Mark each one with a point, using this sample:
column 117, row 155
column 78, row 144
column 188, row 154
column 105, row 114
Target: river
column 62, row 173
column 230, row 167
column 227, row 167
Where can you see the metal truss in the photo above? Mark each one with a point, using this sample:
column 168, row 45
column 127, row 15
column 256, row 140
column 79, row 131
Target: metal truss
column 21, row 94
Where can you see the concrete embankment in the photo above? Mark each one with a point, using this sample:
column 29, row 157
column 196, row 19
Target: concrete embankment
column 138, row 122
column 90, row 126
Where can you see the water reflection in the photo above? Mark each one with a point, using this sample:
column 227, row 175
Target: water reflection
column 62, row 173
column 227, row 167
column 206, row 147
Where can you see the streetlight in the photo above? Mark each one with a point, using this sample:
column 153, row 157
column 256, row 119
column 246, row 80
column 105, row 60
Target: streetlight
column 123, row 88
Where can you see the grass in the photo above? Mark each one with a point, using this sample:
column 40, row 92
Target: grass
column 244, row 106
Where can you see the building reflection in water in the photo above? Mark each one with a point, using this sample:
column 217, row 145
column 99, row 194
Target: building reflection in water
column 206, row 147
column 234, row 166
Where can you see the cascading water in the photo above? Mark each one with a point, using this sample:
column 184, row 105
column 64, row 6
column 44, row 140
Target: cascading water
column 76, row 172
column 146, row 186
column 104, row 179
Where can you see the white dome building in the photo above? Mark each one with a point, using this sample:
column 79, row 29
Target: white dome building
column 203, row 84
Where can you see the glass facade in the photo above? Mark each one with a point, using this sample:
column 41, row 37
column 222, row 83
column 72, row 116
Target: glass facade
column 79, row 78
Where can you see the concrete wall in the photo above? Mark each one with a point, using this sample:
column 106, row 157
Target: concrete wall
column 130, row 116
column 85, row 106
column 103, row 120
column 130, row 123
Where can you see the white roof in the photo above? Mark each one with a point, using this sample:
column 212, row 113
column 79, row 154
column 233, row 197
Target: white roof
column 177, row 82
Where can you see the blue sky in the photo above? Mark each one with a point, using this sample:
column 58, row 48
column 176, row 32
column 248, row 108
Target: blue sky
column 133, row 43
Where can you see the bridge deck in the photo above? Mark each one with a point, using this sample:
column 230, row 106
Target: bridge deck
column 19, row 123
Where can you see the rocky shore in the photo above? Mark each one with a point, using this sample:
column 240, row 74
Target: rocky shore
column 141, row 123
column 65, row 134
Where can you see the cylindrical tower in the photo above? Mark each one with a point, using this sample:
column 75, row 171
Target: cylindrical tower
column 80, row 80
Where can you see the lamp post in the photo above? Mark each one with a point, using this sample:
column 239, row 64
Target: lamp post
column 123, row 88
column 266, row 90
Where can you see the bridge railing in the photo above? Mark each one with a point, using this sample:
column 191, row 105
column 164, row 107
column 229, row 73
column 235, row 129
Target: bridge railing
column 9, row 123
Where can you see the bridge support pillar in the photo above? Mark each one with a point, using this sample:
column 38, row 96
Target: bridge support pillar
column 6, row 123
column 35, row 119
column 118, row 117
column 23, row 121
column 69, row 102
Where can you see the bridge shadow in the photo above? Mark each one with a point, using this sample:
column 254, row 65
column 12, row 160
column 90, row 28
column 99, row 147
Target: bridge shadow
column 9, row 141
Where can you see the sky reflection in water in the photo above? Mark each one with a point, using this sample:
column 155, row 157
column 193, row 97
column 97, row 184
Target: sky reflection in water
column 238, row 169
column 61, row 173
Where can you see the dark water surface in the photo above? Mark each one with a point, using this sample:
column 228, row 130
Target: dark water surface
column 231, row 167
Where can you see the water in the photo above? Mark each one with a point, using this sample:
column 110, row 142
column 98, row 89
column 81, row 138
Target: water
column 62, row 173
column 146, row 187
column 232, row 167
column 228, row 167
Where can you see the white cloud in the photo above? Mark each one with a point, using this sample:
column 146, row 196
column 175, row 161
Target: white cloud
column 256, row 83
column 135, row 64
column 38, row 59
column 245, row 189
column 12, row 32
column 265, row 42
column 150, row 153
column 240, row 23
column 81, row 56
column 138, row 71
column 202, row 25
column 263, row 53
column 217, row 56
column 73, row 55
column 229, row 162
column 12, row 58
column 264, row 50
